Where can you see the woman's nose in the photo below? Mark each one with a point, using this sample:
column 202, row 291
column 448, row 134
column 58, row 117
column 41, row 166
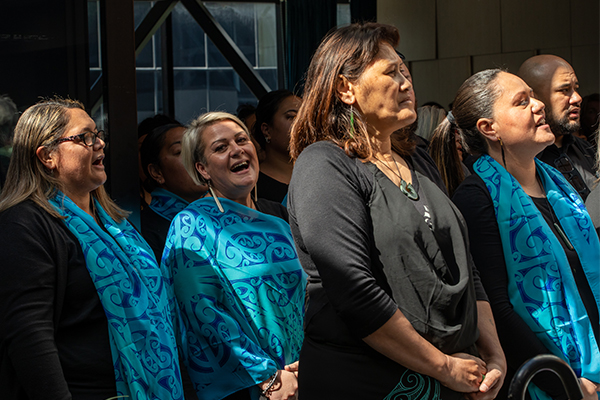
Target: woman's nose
column 406, row 84
column 99, row 144
column 236, row 149
column 538, row 105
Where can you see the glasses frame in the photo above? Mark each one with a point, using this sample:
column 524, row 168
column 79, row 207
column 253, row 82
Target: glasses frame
column 81, row 137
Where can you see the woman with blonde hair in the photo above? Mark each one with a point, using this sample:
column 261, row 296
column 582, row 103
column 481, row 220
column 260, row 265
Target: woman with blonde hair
column 237, row 278
column 84, row 308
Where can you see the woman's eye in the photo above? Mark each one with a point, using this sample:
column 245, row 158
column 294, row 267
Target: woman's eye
column 242, row 140
column 220, row 148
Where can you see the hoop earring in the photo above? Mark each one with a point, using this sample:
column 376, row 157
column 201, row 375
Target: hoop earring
column 212, row 193
column 502, row 150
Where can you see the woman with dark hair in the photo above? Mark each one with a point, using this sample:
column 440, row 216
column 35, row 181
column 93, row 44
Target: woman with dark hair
column 238, row 282
column 274, row 116
column 172, row 189
column 446, row 149
column 531, row 236
column 395, row 309
column 84, row 308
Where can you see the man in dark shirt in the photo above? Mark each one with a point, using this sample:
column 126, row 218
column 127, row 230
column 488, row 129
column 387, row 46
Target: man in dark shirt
column 554, row 82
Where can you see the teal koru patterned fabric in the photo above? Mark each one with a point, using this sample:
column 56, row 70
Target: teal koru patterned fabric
column 166, row 204
column 135, row 297
column 240, row 293
column 541, row 284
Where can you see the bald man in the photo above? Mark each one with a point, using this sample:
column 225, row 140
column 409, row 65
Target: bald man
column 554, row 82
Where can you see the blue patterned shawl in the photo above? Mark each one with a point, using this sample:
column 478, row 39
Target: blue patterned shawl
column 166, row 204
column 134, row 295
column 541, row 285
column 240, row 290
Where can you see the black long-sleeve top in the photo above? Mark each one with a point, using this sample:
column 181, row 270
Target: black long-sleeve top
column 518, row 341
column 54, row 340
column 331, row 224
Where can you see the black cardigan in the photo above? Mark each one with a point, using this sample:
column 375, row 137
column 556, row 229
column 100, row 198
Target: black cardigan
column 53, row 333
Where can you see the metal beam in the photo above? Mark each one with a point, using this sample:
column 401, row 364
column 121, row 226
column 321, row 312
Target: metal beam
column 147, row 28
column 120, row 99
column 152, row 22
column 227, row 47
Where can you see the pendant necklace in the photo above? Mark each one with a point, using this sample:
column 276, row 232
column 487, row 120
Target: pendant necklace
column 405, row 187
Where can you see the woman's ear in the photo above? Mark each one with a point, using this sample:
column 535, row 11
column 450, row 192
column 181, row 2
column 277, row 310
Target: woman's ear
column 48, row 158
column 264, row 128
column 487, row 127
column 202, row 171
column 345, row 90
column 155, row 173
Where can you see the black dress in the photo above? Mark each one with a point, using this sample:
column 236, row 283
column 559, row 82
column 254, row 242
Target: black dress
column 53, row 332
column 360, row 240
column 270, row 189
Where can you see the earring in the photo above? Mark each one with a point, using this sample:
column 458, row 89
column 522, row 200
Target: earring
column 502, row 150
column 212, row 193
column 351, row 122
column 268, row 139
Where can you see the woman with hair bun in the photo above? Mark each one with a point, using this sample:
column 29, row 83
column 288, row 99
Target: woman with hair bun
column 532, row 238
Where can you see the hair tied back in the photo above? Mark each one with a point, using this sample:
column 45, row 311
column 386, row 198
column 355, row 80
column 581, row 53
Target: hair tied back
column 451, row 119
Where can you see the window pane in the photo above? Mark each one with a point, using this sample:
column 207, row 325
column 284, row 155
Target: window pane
column 145, row 58
column 147, row 94
column 188, row 39
column 267, row 35
column 190, row 94
column 238, row 21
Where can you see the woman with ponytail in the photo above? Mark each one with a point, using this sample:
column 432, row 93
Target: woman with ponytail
column 531, row 236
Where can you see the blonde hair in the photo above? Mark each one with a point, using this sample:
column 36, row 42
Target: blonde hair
column 27, row 178
column 192, row 144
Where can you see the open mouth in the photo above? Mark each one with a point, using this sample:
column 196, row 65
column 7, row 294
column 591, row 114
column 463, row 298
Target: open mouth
column 98, row 161
column 240, row 166
column 541, row 122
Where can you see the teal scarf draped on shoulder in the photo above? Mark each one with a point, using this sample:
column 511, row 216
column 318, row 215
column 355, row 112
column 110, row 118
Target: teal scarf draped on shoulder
column 135, row 297
column 166, row 204
column 240, row 291
column 541, row 285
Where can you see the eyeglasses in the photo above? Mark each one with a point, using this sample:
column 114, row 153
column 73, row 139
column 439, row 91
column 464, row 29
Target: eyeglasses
column 565, row 166
column 87, row 138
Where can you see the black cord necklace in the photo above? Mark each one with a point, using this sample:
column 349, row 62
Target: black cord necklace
column 405, row 187
column 557, row 226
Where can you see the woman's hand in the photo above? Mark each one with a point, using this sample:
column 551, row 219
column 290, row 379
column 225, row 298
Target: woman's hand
column 464, row 372
column 491, row 385
column 589, row 389
column 284, row 388
column 491, row 352
column 293, row 367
